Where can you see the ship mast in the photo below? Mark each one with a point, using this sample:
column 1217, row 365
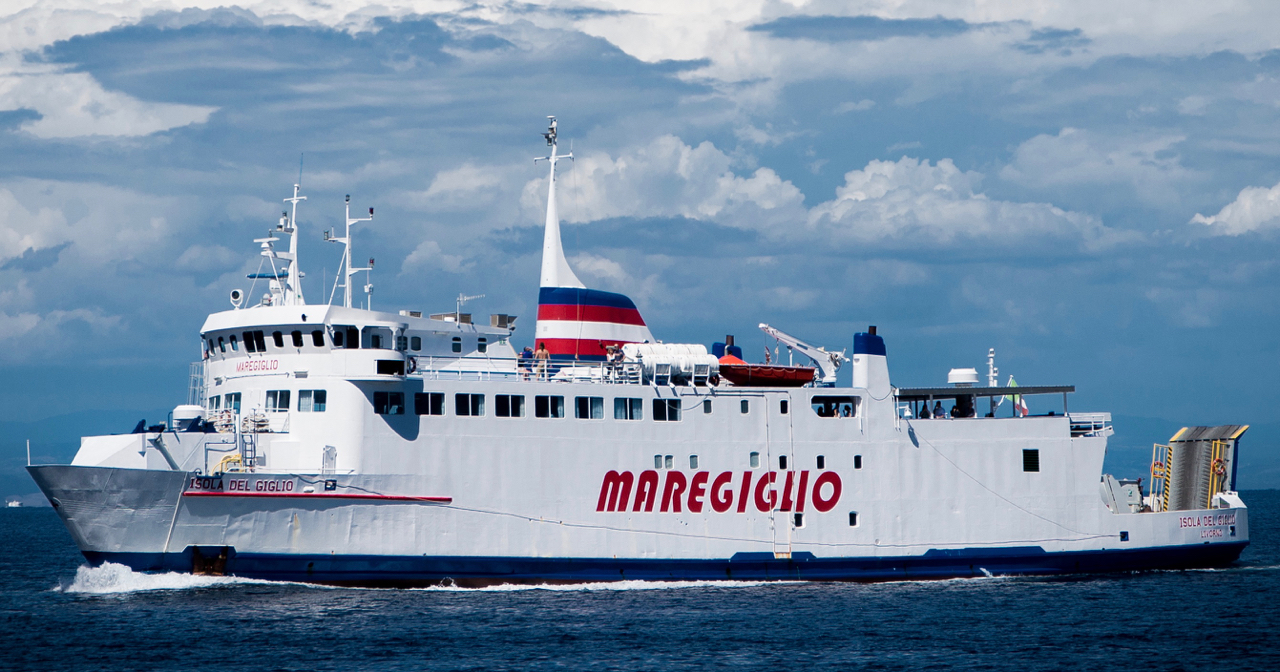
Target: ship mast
column 555, row 268
column 347, row 270
column 293, row 280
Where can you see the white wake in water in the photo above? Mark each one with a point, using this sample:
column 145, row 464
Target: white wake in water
column 111, row 578
column 604, row 586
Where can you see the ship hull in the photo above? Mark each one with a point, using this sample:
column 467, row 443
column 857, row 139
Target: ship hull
column 151, row 520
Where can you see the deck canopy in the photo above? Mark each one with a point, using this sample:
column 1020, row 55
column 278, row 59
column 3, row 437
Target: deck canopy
column 907, row 394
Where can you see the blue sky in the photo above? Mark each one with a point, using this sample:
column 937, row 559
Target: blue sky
column 1091, row 188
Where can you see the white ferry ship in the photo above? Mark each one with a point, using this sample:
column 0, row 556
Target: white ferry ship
column 343, row 445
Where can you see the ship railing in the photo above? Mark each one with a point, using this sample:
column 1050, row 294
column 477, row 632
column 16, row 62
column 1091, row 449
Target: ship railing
column 1090, row 424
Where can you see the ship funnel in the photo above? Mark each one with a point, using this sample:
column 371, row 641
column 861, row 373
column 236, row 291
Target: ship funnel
column 870, row 367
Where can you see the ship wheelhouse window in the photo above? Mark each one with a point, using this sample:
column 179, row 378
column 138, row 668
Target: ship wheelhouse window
column 317, row 338
column 835, row 406
column 337, row 338
column 457, row 344
column 278, row 338
column 415, row 343
column 375, row 341
column 428, row 403
column 231, row 401
column 626, row 408
column 312, row 401
column 277, row 400
column 548, row 406
column 211, row 346
column 248, row 342
column 402, row 343
column 1031, row 460
column 588, row 408
column 508, row 405
column 235, row 345
column 222, row 345
column 388, row 403
column 297, row 338
column 666, row 410
column 468, row 404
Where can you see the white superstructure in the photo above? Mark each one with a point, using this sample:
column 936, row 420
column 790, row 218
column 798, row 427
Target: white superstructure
column 339, row 444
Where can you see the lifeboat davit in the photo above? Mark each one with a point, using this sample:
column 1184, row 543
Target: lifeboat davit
column 742, row 374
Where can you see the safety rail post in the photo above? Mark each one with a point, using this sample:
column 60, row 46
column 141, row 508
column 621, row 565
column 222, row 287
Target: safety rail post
column 1160, row 470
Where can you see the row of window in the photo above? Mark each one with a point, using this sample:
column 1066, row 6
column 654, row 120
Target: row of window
column 343, row 337
column 513, row 406
column 309, row 401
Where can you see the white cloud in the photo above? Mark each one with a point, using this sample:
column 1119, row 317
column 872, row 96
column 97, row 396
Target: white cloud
column 1076, row 157
column 74, row 104
column 666, row 178
column 208, row 258
column 929, row 205
column 1255, row 209
column 861, row 105
column 428, row 256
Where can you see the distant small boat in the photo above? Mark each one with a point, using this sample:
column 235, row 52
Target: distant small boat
column 742, row 374
column 14, row 504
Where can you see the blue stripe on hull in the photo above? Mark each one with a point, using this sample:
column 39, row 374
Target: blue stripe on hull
column 407, row 571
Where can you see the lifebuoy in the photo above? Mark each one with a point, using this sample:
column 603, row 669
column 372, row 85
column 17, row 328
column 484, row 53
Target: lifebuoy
column 1219, row 467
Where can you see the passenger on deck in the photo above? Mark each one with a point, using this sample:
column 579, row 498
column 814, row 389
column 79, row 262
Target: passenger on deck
column 541, row 357
column 924, row 412
column 938, row 410
column 526, row 362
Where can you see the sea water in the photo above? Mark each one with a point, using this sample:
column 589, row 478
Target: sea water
column 56, row 613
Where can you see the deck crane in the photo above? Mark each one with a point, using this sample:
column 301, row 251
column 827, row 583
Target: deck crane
column 828, row 362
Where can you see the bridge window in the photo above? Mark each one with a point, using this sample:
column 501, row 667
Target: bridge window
column 508, row 405
column 277, row 400
column 835, row 407
column 482, row 345
column 1031, row 460
column 278, row 337
column 388, row 403
column 547, row 406
column 457, row 344
column 428, row 403
column 248, row 342
column 231, row 401
column 666, row 410
column 222, row 345
column 312, row 401
column 415, row 343
column 375, row 341
column 235, row 345
column 297, row 338
column 211, row 346
column 625, row 408
column 588, row 408
column 317, row 338
column 746, row 406
column 468, row 404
